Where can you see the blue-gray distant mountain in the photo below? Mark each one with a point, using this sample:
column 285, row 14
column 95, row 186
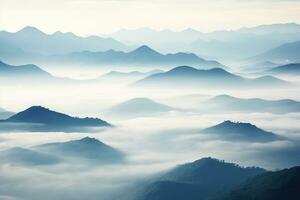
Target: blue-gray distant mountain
column 289, row 69
column 289, row 52
column 241, row 131
column 89, row 149
column 278, row 185
column 31, row 42
column 259, row 66
column 22, row 71
column 28, row 74
column 83, row 151
column 139, row 107
column 199, row 180
column 218, row 44
column 126, row 76
column 185, row 76
column 4, row 114
column 21, row 156
column 226, row 103
column 39, row 118
column 142, row 56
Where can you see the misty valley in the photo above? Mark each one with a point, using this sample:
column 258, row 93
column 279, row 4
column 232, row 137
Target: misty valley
column 150, row 115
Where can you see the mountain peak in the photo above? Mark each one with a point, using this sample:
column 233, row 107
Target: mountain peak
column 89, row 140
column 184, row 69
column 42, row 115
column 234, row 130
column 30, row 30
column 144, row 49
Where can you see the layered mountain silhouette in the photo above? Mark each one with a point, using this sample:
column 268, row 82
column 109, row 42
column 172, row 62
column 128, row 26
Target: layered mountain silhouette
column 83, row 151
column 201, row 179
column 289, row 69
column 185, row 76
column 139, row 107
column 38, row 118
column 241, row 131
column 27, row 74
column 22, row 156
column 283, row 184
column 31, row 42
column 126, row 76
column 288, row 52
column 4, row 114
column 226, row 103
column 88, row 149
column 220, row 44
column 142, row 56
column 22, row 71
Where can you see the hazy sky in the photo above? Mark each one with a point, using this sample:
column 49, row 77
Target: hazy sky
column 87, row 17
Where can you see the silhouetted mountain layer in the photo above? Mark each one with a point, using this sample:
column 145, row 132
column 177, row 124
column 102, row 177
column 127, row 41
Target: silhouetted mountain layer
column 289, row 52
column 22, row 71
column 83, row 151
column 226, row 103
column 185, row 76
column 126, row 76
column 198, row 180
column 4, row 114
column 220, row 44
column 27, row 74
column 86, row 148
column 142, row 56
column 37, row 118
column 139, row 107
column 290, row 69
column 30, row 41
column 283, row 184
column 21, row 156
column 241, row 131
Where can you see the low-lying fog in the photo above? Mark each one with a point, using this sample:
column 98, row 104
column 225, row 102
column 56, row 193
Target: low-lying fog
column 152, row 143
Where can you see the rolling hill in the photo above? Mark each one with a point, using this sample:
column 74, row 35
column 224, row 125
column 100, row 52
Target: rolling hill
column 288, row 52
column 198, row 180
column 289, row 69
column 185, row 76
column 89, row 149
column 241, row 131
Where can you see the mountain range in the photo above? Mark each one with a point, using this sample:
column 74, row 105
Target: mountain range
column 212, row 179
column 226, row 103
column 185, row 76
column 30, row 42
column 38, row 118
column 142, row 56
column 217, row 44
column 292, row 69
column 241, row 131
column 199, row 180
column 285, row 53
